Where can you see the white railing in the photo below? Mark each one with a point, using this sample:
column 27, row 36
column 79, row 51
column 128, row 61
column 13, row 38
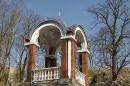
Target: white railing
column 46, row 74
column 80, row 77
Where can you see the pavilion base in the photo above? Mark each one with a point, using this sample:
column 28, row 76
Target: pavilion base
column 61, row 82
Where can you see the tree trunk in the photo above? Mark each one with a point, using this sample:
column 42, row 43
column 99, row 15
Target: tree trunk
column 114, row 70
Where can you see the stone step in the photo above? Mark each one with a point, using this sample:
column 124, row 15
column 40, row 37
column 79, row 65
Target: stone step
column 64, row 82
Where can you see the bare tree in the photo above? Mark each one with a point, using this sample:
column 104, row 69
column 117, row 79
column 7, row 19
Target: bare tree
column 8, row 21
column 28, row 24
column 15, row 27
column 112, row 42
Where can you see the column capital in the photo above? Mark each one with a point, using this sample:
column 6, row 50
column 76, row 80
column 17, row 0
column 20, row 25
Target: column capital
column 83, row 51
column 32, row 43
column 68, row 37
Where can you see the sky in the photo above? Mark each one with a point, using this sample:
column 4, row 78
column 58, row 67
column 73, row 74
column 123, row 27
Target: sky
column 72, row 11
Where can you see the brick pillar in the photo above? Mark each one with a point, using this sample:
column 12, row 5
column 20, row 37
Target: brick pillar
column 68, row 58
column 31, row 61
column 73, row 48
column 83, row 57
column 64, row 59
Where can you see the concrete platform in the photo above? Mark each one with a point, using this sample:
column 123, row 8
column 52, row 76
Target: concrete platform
column 63, row 82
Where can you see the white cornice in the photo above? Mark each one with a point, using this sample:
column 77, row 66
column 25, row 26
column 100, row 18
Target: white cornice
column 68, row 37
column 83, row 50
column 30, row 43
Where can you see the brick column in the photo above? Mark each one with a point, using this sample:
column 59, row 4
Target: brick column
column 68, row 58
column 31, row 61
column 64, row 59
column 73, row 48
column 83, row 57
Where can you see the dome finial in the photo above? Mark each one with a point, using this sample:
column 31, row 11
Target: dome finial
column 59, row 13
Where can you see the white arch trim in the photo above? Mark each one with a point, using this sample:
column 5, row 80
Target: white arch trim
column 84, row 47
column 35, row 35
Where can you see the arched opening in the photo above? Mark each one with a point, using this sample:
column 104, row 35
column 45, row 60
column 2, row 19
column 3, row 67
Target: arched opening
column 47, row 37
column 81, row 47
column 48, row 52
column 40, row 61
column 49, row 40
column 81, row 38
column 59, row 55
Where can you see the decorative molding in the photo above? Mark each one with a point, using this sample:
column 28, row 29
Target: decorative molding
column 88, row 51
column 83, row 34
column 83, row 50
column 35, row 35
column 69, row 58
column 30, row 43
column 69, row 37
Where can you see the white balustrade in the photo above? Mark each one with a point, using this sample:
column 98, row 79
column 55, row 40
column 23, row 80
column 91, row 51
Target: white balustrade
column 46, row 74
column 53, row 73
column 80, row 77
